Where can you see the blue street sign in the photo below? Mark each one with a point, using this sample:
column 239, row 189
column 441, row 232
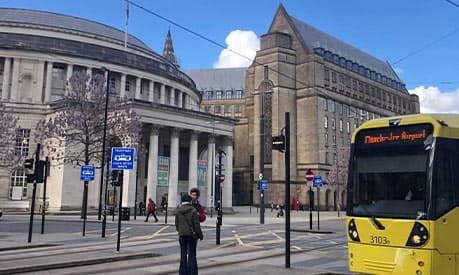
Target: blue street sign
column 264, row 185
column 123, row 158
column 87, row 173
column 317, row 181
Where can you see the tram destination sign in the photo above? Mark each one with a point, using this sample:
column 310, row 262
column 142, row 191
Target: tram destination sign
column 390, row 136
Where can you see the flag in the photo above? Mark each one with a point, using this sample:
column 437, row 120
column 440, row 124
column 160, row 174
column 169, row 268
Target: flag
column 126, row 27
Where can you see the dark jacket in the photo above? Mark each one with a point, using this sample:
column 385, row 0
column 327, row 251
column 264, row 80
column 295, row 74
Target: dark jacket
column 186, row 217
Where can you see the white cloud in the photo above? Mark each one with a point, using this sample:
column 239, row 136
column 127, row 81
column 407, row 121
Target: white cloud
column 432, row 100
column 245, row 43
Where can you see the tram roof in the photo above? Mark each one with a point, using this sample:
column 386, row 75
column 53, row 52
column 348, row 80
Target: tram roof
column 445, row 125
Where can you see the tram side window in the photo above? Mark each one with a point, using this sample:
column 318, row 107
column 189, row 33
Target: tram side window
column 444, row 176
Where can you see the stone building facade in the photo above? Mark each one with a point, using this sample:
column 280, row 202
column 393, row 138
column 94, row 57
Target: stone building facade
column 329, row 88
column 39, row 51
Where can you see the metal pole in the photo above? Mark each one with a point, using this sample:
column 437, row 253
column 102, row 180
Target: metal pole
column 262, row 159
column 103, row 145
column 34, row 192
column 104, row 220
column 337, row 183
column 318, row 208
column 43, row 214
column 85, row 206
column 32, row 209
column 119, row 217
column 135, row 200
column 310, row 207
column 287, row 190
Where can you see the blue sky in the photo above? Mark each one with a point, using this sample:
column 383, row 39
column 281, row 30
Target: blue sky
column 389, row 30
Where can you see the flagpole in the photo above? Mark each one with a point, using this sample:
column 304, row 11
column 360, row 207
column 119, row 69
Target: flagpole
column 126, row 26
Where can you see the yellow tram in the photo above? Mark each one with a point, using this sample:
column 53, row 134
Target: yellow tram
column 403, row 196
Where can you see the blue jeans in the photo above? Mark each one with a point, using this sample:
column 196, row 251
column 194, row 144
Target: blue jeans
column 188, row 263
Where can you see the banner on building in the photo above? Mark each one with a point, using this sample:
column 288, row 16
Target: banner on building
column 202, row 174
column 163, row 171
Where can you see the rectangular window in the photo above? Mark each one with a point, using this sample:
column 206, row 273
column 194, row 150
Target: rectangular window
column 58, row 72
column 127, row 87
column 207, row 109
column 326, row 74
column 229, row 94
column 237, row 110
column 325, row 122
column 334, row 140
column 326, row 138
column 333, row 77
column 332, row 106
column 340, row 125
column 239, row 94
column 325, row 104
column 348, row 126
column 326, row 158
column 219, row 95
column 340, row 108
column 227, row 110
column 218, row 109
column 333, row 122
column 22, row 142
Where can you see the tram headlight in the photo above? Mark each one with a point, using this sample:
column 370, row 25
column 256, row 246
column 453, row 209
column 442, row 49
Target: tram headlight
column 419, row 235
column 352, row 231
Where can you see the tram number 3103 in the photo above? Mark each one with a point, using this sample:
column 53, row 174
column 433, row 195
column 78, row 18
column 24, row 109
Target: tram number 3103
column 379, row 240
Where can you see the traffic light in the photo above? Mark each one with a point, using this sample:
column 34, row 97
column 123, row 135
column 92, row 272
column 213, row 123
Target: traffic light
column 39, row 173
column 279, row 143
column 28, row 167
column 116, row 177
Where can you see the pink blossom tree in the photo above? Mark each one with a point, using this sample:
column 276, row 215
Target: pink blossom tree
column 75, row 133
column 339, row 170
column 10, row 157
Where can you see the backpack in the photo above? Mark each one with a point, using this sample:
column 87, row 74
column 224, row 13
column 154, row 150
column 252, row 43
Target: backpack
column 202, row 214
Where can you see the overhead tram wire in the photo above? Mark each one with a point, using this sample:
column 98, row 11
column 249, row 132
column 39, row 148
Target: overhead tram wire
column 210, row 40
column 428, row 45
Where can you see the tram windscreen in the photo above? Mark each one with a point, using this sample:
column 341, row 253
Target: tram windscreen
column 388, row 178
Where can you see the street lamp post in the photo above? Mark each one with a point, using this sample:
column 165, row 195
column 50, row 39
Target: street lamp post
column 103, row 159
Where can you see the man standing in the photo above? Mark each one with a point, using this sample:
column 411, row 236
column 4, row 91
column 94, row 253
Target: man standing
column 189, row 230
column 195, row 193
column 151, row 210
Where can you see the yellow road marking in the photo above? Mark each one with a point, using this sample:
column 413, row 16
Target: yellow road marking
column 297, row 248
column 122, row 231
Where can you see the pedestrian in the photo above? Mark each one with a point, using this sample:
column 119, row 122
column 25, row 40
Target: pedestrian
column 189, row 231
column 151, row 208
column 278, row 210
column 272, row 207
column 195, row 193
column 141, row 208
column 163, row 202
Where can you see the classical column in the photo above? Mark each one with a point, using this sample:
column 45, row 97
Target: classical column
column 163, row 94
column 6, row 78
column 193, row 162
column 89, row 73
column 186, row 101
column 138, row 82
column 129, row 182
column 180, row 99
column 152, row 177
column 210, row 170
column 14, row 94
column 123, row 86
column 68, row 76
column 228, row 183
column 151, row 91
column 172, row 98
column 49, row 78
column 173, row 199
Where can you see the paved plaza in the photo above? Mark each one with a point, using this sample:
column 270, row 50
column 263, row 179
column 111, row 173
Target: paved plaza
column 152, row 248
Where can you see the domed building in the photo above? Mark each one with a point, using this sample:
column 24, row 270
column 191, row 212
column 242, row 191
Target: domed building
column 39, row 52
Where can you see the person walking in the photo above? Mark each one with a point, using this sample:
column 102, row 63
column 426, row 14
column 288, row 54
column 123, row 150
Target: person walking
column 195, row 193
column 151, row 208
column 189, row 231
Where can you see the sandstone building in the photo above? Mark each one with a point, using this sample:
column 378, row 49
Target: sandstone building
column 39, row 51
column 329, row 88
